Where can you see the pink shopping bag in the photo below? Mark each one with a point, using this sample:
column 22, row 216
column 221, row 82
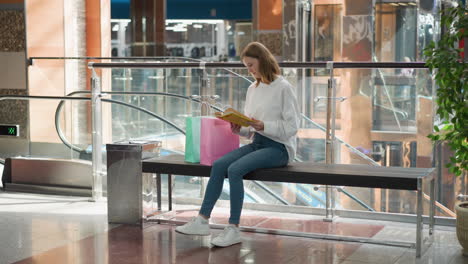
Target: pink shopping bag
column 216, row 140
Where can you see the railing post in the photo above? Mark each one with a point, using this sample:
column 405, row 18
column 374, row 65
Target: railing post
column 303, row 9
column 330, row 142
column 205, row 109
column 96, row 114
column 204, row 89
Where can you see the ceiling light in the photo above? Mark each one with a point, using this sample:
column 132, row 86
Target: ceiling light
column 192, row 21
column 155, row 77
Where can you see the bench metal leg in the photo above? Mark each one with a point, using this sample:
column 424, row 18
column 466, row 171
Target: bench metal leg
column 421, row 243
column 169, row 191
column 432, row 210
column 330, row 204
column 419, row 220
column 158, row 190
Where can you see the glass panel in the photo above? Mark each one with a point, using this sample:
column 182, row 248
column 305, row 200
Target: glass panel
column 394, row 102
column 427, row 30
column 403, row 145
column 327, row 32
column 395, row 32
column 58, row 77
column 327, row 35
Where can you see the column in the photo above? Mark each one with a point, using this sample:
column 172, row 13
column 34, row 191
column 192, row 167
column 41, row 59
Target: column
column 268, row 24
column 13, row 76
column 148, row 27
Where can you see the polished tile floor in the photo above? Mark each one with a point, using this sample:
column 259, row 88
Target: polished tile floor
column 56, row 229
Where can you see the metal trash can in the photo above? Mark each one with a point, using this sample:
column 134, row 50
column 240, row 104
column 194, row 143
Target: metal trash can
column 130, row 193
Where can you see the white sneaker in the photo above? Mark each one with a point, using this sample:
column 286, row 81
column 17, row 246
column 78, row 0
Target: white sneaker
column 197, row 226
column 229, row 236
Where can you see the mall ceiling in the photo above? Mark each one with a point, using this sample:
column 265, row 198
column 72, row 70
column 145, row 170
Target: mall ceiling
column 193, row 9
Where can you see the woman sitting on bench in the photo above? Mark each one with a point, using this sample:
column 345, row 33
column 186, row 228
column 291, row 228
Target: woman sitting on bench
column 272, row 104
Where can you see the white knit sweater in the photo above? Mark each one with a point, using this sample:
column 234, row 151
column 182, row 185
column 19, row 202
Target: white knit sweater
column 276, row 105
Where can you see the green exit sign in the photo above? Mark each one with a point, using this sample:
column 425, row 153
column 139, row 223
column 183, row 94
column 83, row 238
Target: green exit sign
column 9, row 130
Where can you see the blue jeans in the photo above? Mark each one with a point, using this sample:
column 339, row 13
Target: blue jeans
column 262, row 153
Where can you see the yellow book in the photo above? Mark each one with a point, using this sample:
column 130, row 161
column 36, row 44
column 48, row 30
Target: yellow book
column 235, row 117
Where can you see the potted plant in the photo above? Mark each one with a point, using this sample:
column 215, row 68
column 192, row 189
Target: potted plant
column 446, row 62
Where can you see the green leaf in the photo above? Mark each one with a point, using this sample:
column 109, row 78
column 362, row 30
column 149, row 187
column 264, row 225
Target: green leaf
column 451, row 75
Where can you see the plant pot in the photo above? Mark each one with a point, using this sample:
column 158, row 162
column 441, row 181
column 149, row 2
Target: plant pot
column 462, row 225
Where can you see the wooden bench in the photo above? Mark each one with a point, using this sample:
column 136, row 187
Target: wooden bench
column 305, row 173
column 322, row 174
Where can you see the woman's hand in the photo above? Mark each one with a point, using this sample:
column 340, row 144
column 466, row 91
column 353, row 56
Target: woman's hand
column 257, row 125
column 235, row 128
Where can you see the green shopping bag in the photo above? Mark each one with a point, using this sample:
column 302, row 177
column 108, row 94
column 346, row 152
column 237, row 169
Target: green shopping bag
column 192, row 139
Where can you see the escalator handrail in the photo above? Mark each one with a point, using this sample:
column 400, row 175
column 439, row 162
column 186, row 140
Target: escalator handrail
column 147, row 112
column 357, row 200
column 270, row 192
column 353, row 149
column 146, row 93
column 64, row 98
column 73, row 147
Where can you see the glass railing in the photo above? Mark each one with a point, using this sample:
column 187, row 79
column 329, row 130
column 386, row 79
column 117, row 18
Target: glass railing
column 382, row 117
column 378, row 108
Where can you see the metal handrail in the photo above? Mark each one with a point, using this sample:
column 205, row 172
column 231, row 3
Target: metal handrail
column 42, row 97
column 320, row 64
column 323, row 64
column 31, row 60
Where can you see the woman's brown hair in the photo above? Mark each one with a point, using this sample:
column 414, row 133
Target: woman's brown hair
column 267, row 64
